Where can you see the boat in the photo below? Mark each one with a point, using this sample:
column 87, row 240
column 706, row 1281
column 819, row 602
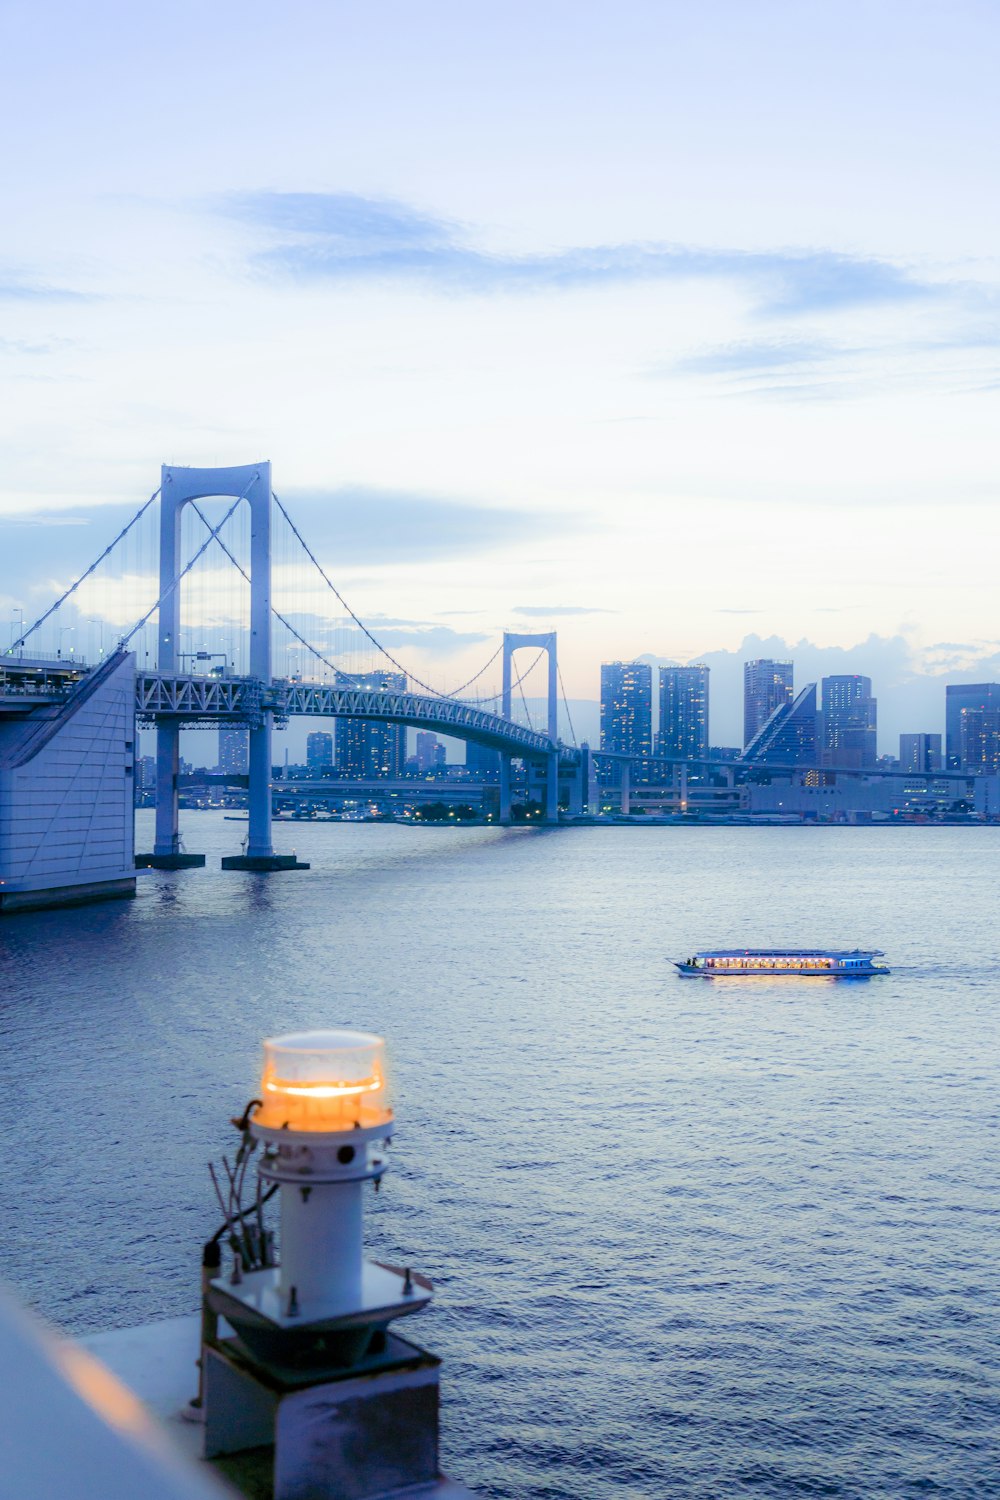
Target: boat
column 811, row 963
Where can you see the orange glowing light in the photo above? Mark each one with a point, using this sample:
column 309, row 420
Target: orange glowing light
column 324, row 1081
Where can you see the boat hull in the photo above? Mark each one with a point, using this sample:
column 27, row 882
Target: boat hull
column 692, row 971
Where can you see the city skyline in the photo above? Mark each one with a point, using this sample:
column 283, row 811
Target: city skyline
column 512, row 394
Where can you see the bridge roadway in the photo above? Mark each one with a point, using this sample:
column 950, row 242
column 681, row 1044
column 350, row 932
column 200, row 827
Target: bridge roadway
column 189, row 699
column 192, row 699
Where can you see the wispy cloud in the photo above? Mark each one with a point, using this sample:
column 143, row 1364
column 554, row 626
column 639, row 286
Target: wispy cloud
column 420, row 635
column 753, row 357
column 363, row 526
column 16, row 287
column 344, row 236
column 543, row 611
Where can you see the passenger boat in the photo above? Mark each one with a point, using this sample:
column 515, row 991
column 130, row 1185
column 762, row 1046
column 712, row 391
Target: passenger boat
column 812, row 963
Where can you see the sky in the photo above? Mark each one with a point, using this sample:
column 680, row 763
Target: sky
column 667, row 326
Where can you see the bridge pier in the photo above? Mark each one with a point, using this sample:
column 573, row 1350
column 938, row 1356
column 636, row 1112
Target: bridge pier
column 505, row 801
column 626, row 786
column 552, row 787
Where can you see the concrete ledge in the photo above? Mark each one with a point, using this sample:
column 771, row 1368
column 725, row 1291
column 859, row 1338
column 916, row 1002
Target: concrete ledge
column 262, row 863
column 67, row 895
column 170, row 861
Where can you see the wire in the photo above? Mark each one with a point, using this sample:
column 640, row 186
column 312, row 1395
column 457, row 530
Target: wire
column 213, row 535
column 15, row 645
column 569, row 716
column 437, row 693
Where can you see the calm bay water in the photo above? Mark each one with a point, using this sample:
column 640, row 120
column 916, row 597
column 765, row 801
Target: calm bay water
column 688, row 1239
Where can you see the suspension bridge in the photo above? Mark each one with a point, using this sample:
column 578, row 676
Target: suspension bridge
column 214, row 622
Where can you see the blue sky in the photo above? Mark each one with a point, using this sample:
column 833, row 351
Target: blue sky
column 663, row 322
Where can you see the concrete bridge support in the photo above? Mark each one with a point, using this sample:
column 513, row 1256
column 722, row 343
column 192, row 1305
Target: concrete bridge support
column 178, row 487
column 515, row 642
column 505, row 799
column 626, row 788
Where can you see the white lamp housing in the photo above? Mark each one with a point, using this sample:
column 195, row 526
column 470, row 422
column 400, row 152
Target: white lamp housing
column 325, row 1110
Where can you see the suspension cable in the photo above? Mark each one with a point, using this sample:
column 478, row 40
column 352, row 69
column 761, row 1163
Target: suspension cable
column 15, row 645
column 212, row 535
column 339, row 671
column 569, row 716
column 436, row 692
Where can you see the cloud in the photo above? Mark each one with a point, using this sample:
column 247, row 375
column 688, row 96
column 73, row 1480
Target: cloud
column 343, row 237
column 752, row 358
column 14, row 287
column 356, row 525
column 438, row 640
column 544, row 610
column 725, row 611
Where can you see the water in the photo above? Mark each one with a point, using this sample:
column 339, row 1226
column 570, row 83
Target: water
column 689, row 1239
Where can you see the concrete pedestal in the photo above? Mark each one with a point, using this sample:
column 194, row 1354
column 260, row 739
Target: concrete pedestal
column 262, row 863
column 169, row 861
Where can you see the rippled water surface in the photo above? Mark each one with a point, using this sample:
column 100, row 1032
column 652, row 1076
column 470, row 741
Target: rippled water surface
column 688, row 1238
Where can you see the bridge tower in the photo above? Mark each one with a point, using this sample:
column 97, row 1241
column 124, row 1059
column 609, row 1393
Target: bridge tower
column 178, row 487
column 512, row 641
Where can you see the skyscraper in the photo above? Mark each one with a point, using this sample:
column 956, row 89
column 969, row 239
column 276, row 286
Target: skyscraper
column 430, row 752
column 370, row 748
column 482, row 762
column 319, row 752
column 789, row 737
column 683, row 712
column 627, row 706
column 767, row 685
column 979, row 740
column 920, row 752
column 964, row 695
column 850, row 716
column 234, row 751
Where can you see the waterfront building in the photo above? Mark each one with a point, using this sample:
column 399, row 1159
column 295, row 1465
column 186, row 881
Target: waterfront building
column 627, row 707
column 974, row 695
column 369, row 747
column 850, row 718
column 789, row 737
column 920, row 752
column 979, row 740
column 767, row 686
column 319, row 752
column 234, row 752
column 683, row 711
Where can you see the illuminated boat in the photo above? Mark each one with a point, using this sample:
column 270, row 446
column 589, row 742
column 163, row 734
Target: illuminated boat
column 811, row 963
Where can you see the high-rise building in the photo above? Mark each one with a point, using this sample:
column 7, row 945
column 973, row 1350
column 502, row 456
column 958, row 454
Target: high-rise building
column 627, row 707
column 979, row 740
column 431, row 754
column 789, row 737
column 767, row 685
column 683, row 712
column 482, row 762
column 920, row 752
column 234, row 751
column 319, row 752
column 370, row 748
column 964, row 695
column 850, row 719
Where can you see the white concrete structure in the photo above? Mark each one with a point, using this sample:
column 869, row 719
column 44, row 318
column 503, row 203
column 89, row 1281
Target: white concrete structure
column 66, row 794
